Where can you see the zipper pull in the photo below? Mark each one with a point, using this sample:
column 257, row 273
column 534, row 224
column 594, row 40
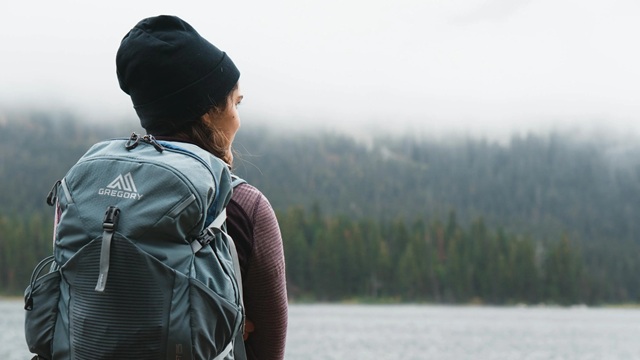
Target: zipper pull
column 149, row 139
column 133, row 141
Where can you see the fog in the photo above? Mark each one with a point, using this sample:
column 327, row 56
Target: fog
column 471, row 67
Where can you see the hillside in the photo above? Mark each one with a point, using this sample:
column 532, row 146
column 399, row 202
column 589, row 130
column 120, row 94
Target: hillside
column 538, row 185
column 539, row 189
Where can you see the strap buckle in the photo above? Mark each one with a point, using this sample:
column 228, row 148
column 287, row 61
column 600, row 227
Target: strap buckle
column 111, row 217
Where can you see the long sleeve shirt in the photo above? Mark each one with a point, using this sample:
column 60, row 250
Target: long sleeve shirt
column 252, row 224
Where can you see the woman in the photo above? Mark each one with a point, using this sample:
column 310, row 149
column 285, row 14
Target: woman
column 183, row 88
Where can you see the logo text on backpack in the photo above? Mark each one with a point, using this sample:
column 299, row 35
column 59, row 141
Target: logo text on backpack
column 122, row 187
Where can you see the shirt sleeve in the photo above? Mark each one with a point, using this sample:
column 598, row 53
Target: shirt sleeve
column 264, row 282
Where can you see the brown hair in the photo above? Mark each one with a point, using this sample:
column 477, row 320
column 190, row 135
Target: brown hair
column 207, row 135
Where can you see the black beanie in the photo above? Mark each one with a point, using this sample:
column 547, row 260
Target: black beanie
column 172, row 74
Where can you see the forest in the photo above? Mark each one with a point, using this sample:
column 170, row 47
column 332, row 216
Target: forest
column 536, row 219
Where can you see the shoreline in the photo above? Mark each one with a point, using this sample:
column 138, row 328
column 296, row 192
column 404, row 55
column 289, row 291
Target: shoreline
column 629, row 306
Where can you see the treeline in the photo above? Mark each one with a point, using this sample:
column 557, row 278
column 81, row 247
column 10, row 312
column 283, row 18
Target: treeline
column 335, row 258
column 536, row 195
column 23, row 242
column 338, row 258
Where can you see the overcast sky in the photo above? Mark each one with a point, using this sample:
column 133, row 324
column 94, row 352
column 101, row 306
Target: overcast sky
column 473, row 66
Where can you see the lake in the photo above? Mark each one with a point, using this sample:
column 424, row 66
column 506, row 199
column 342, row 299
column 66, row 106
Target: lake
column 327, row 331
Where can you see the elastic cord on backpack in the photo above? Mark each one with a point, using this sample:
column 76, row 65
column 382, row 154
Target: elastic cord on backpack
column 28, row 303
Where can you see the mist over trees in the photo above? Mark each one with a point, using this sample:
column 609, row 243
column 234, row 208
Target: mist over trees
column 538, row 219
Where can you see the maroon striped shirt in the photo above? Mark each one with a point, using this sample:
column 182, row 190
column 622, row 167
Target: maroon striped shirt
column 252, row 224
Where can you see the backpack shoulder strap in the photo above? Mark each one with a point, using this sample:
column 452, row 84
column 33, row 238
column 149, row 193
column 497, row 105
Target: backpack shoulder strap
column 218, row 227
column 236, row 180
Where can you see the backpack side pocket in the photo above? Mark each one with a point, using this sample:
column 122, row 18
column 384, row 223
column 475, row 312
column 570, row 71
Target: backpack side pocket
column 214, row 320
column 41, row 303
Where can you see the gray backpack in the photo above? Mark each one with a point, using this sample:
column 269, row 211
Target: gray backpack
column 142, row 267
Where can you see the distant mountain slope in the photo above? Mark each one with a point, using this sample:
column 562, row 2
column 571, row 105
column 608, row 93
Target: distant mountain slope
column 538, row 185
column 535, row 185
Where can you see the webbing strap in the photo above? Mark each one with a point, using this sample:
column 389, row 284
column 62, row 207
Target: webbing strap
column 109, row 226
column 105, row 255
column 209, row 233
column 224, row 352
column 196, row 246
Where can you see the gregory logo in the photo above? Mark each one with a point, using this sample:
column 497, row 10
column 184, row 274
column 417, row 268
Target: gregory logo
column 122, row 187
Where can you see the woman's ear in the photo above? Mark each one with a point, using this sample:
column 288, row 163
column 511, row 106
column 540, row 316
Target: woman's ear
column 209, row 117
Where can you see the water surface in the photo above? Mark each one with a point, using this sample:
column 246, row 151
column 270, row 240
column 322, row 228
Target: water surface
column 408, row 332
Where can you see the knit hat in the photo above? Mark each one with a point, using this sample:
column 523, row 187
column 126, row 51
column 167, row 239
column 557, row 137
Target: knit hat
column 172, row 74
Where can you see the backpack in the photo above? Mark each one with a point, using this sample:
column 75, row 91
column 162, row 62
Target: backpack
column 142, row 267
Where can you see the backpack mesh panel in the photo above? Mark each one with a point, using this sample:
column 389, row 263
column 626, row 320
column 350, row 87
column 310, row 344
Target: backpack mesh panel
column 126, row 321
